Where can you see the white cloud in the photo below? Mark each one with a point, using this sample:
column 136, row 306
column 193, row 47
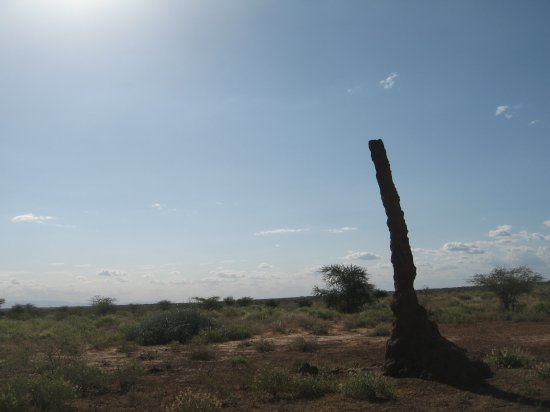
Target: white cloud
column 463, row 247
column 343, row 229
column 532, row 122
column 31, row 217
column 502, row 110
column 500, row 231
column 547, row 223
column 360, row 256
column 264, row 265
column 280, row 232
column 112, row 273
column 389, row 81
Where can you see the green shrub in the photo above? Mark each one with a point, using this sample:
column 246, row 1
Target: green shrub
column 165, row 327
column 510, row 358
column 229, row 301
column 189, row 401
column 312, row 386
column 85, row 379
column 245, row 301
column 348, row 287
column 225, row 334
column 300, row 343
column 164, row 304
column 367, row 386
column 272, row 380
column 39, row 393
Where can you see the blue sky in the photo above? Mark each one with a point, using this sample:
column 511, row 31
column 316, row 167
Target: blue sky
column 168, row 149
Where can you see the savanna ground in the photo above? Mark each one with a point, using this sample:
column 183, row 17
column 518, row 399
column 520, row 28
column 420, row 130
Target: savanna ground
column 281, row 355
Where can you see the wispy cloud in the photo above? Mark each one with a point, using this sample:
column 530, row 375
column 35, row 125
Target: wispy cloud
column 469, row 248
column 389, row 81
column 547, row 223
column 343, row 229
column 280, row 232
column 115, row 274
column 360, row 256
column 264, row 265
column 31, row 218
column 532, row 122
column 162, row 207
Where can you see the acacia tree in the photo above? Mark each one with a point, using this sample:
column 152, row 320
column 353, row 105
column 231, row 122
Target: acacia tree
column 508, row 283
column 348, row 287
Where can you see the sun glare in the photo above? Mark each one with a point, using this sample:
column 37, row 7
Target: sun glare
column 78, row 8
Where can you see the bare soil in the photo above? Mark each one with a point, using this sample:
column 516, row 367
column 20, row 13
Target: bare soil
column 169, row 369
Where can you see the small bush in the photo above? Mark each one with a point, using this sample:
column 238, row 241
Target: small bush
column 189, row 401
column 211, row 303
column 238, row 361
column 229, row 301
column 164, row 304
column 165, row 327
column 199, row 350
column 510, row 358
column 303, row 302
column 86, row 379
column 264, row 345
column 271, row 303
column 367, row 386
column 312, row 387
column 273, row 381
column 39, row 393
column 103, row 305
column 380, row 330
column 127, row 376
column 303, row 344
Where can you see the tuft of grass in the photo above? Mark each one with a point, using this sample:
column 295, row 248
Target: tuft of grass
column 264, row 345
column 304, row 344
column 190, row 401
column 510, row 358
column 543, row 371
column 367, row 386
column 380, row 330
column 238, row 361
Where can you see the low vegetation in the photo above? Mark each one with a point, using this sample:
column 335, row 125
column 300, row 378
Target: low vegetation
column 239, row 352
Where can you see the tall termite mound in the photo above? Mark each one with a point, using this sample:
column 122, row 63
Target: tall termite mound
column 415, row 347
